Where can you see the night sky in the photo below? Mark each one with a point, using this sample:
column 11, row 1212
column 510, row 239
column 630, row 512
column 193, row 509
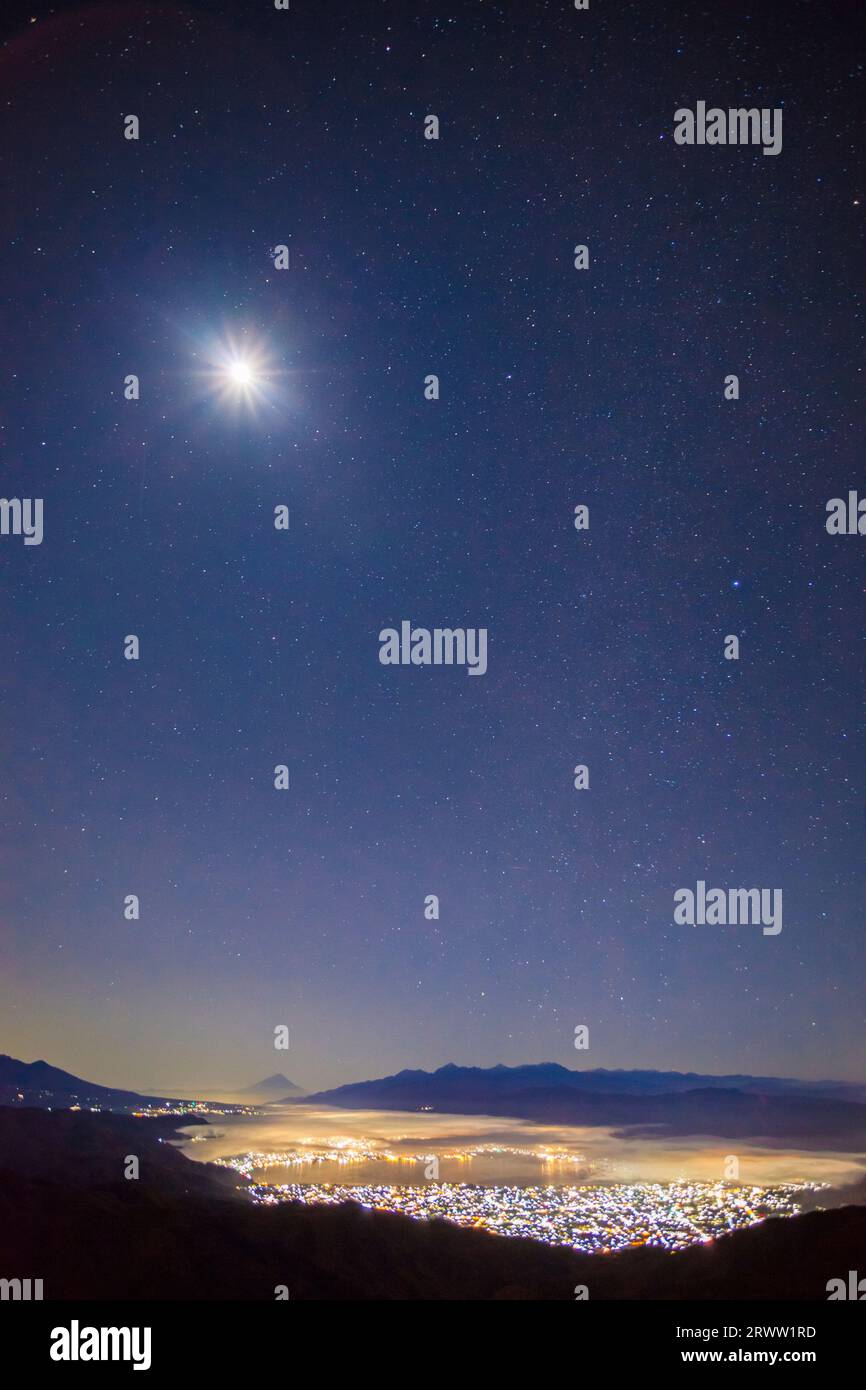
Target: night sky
column 558, row 387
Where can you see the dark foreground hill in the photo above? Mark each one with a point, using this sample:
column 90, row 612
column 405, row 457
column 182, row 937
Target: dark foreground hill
column 183, row 1231
column 820, row 1115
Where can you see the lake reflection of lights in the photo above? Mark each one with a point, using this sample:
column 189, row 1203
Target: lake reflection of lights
column 346, row 1152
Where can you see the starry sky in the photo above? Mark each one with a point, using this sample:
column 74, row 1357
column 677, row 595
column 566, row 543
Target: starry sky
column 558, row 387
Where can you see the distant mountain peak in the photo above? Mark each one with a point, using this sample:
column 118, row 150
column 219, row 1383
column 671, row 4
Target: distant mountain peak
column 277, row 1082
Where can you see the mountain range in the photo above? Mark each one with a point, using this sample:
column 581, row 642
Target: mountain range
column 821, row 1114
column 818, row 1115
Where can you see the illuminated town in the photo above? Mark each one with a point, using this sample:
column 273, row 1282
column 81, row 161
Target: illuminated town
column 593, row 1217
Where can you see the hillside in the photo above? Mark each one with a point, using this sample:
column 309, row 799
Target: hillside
column 40, row 1084
column 183, row 1232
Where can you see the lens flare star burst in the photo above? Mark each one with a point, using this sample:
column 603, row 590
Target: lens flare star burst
column 239, row 375
column 242, row 374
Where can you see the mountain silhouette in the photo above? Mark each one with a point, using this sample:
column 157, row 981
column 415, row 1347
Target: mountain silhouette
column 39, row 1084
column 276, row 1085
column 822, row 1114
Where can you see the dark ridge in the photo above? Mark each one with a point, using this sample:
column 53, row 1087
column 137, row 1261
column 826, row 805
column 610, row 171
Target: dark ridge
column 819, row 1115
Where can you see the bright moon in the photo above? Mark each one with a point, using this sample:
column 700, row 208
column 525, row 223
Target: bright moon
column 241, row 373
column 238, row 372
